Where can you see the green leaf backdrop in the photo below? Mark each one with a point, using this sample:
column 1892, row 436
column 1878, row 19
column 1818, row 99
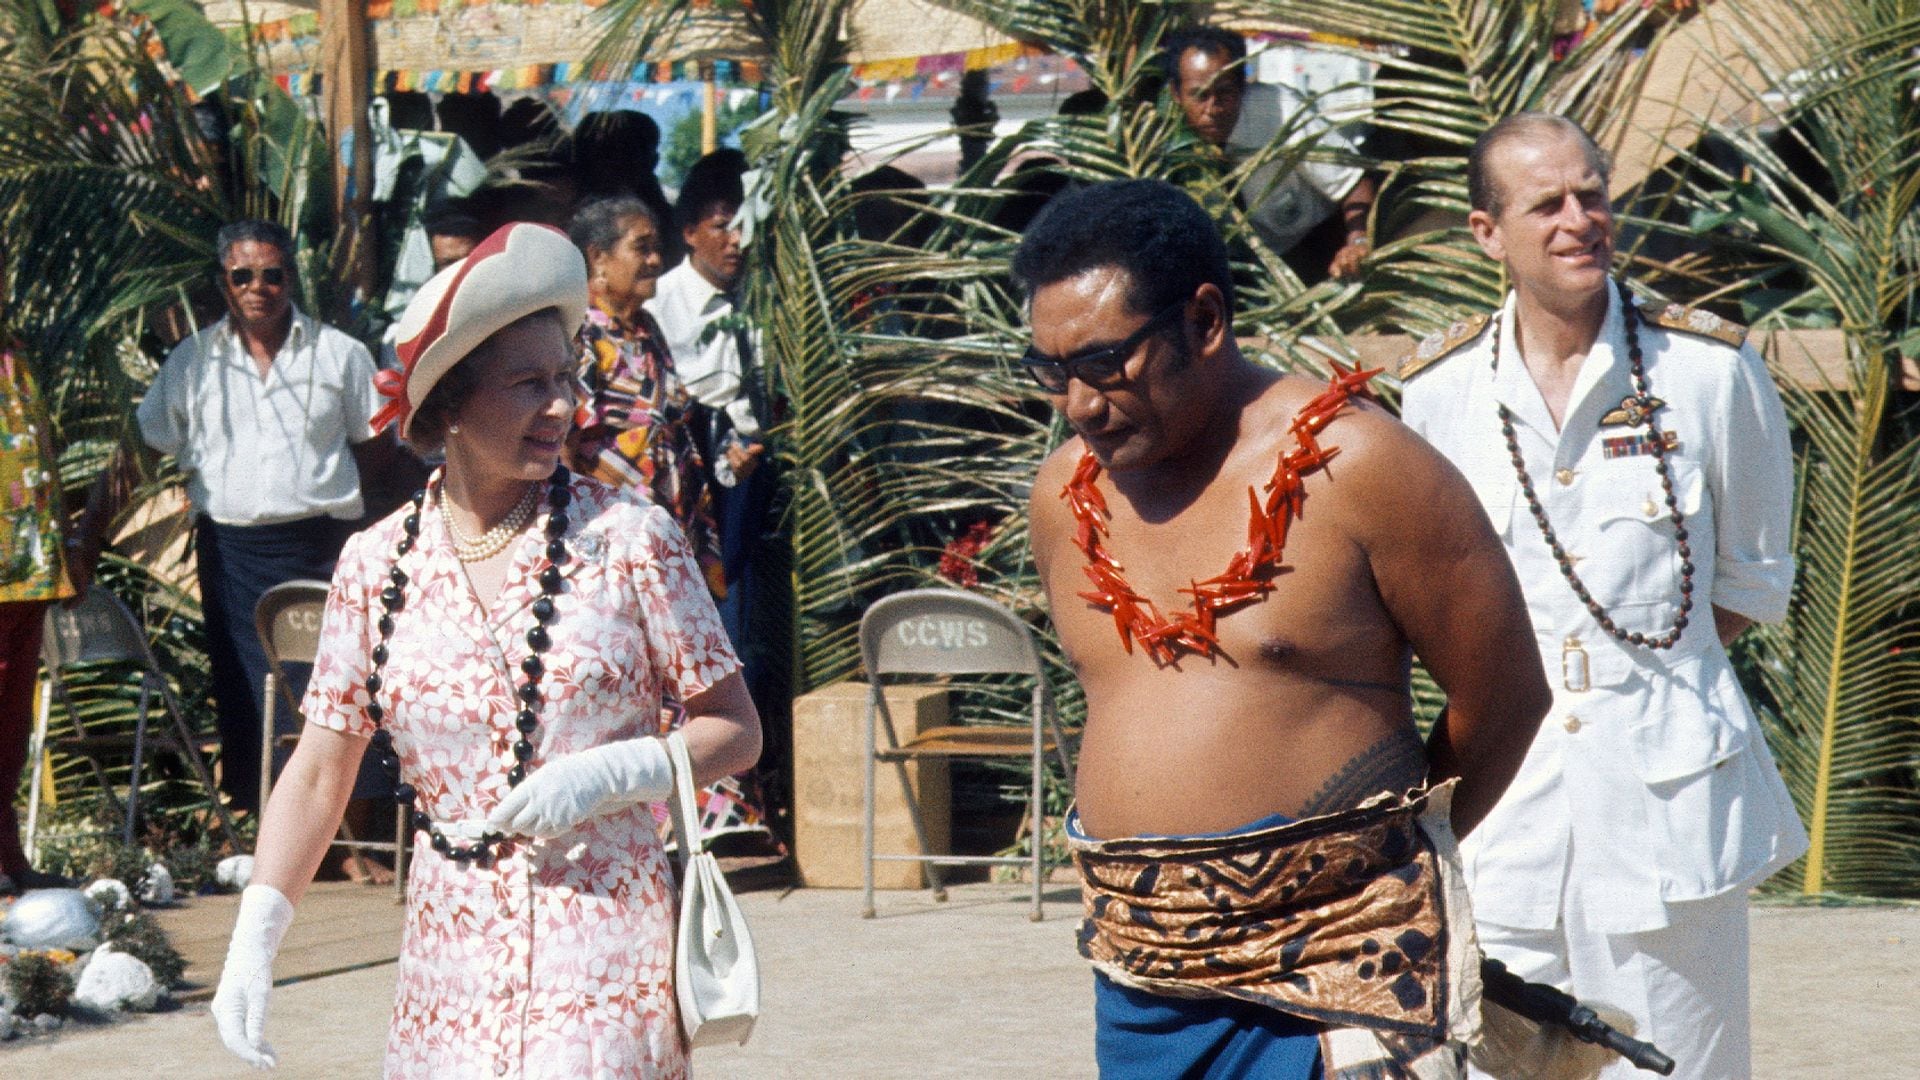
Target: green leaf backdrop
column 892, row 331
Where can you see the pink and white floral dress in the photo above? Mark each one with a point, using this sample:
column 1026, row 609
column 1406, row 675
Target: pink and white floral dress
column 555, row 960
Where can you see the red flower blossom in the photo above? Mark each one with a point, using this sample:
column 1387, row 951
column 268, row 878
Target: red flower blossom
column 957, row 562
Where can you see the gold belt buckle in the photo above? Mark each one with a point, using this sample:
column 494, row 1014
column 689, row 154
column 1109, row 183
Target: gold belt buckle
column 1575, row 674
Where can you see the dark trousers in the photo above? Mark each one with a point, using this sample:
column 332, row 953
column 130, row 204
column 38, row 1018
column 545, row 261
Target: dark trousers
column 237, row 564
column 755, row 615
column 22, row 624
column 743, row 510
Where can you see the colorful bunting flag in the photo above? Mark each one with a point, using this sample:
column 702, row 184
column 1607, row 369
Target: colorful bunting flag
column 912, row 73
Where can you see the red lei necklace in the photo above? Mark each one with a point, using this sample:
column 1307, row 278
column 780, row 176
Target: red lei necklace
column 1247, row 574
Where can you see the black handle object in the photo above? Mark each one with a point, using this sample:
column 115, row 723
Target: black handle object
column 1543, row 1004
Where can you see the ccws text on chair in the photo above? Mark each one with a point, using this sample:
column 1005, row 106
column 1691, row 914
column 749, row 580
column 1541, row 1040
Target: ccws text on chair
column 948, row 632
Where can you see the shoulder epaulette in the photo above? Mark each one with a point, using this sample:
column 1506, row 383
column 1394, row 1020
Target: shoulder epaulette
column 1442, row 344
column 1686, row 320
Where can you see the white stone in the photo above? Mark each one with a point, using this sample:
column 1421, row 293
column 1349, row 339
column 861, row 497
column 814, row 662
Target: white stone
column 9, row 1026
column 47, row 1022
column 234, row 871
column 114, row 981
column 157, row 888
column 110, row 893
column 53, row 919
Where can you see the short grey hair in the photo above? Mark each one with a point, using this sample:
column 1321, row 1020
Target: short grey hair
column 1483, row 191
column 599, row 225
column 256, row 231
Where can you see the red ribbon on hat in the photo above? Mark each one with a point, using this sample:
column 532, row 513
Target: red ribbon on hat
column 391, row 385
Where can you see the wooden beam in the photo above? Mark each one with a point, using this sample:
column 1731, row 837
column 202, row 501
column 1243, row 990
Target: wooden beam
column 346, row 65
column 1810, row 359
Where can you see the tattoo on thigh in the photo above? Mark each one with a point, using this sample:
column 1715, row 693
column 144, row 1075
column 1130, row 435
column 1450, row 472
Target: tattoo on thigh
column 1395, row 763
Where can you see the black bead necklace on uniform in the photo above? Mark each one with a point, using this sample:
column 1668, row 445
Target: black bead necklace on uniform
column 393, row 599
column 1656, row 444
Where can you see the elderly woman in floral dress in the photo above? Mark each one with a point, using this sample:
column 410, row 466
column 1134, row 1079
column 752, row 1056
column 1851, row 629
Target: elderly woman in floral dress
column 644, row 429
column 503, row 644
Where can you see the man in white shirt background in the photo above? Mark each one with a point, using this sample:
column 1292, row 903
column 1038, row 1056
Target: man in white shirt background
column 266, row 412
column 713, row 350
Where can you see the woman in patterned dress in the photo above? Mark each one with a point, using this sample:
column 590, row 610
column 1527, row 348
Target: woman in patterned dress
column 506, row 642
column 646, row 430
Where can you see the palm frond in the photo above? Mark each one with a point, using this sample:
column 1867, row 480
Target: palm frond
column 1819, row 195
column 906, row 421
column 109, row 202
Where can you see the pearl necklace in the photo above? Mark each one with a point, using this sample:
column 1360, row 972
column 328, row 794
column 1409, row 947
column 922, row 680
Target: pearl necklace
column 1643, row 393
column 470, row 549
column 526, row 721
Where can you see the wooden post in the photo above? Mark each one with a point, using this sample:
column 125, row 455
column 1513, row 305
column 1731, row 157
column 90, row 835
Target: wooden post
column 346, row 67
column 709, row 117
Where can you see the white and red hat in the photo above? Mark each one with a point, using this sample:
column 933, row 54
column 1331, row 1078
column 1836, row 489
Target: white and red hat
column 522, row 268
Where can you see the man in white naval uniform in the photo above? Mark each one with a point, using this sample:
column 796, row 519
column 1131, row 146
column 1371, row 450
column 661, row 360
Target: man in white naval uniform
column 1646, row 510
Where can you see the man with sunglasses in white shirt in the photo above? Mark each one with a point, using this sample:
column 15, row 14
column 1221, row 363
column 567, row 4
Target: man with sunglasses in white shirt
column 265, row 412
column 1240, row 565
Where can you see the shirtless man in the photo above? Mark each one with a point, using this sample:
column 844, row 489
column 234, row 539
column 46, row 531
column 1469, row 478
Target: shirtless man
column 1214, row 730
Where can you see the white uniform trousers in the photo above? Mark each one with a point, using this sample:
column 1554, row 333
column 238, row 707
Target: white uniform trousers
column 1684, row 985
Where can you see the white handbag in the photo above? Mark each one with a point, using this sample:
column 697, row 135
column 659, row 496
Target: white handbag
column 715, row 973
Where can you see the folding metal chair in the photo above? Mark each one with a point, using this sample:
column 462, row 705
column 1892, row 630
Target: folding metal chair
column 948, row 632
column 100, row 629
column 288, row 618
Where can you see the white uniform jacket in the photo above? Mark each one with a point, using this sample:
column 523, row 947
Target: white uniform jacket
column 1653, row 784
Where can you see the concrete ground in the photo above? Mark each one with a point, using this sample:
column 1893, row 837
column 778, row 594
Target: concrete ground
column 968, row 988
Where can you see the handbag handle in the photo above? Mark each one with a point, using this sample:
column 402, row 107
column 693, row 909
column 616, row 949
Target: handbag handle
column 685, row 808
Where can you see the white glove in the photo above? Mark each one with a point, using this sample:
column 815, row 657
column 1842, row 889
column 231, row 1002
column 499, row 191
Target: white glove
column 566, row 791
column 240, row 1005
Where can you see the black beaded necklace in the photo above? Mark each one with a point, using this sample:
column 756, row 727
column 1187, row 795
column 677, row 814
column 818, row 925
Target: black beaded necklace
column 1657, row 444
column 392, row 599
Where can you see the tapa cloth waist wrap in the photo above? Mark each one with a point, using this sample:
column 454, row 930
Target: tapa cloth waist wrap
column 1358, row 920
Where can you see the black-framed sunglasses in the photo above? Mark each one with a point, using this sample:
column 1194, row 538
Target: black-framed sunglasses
column 1102, row 367
column 272, row 277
